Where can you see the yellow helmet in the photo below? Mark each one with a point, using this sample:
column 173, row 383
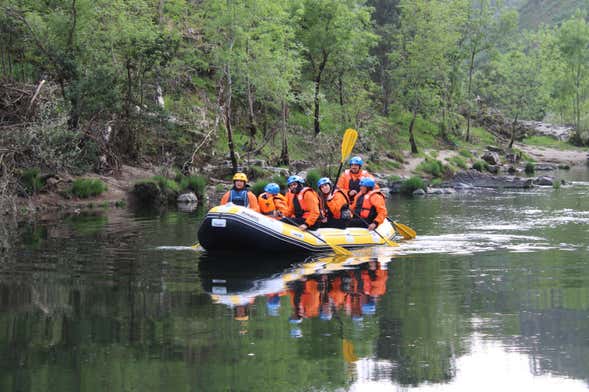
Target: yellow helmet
column 239, row 177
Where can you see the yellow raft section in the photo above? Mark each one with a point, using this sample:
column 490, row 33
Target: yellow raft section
column 350, row 237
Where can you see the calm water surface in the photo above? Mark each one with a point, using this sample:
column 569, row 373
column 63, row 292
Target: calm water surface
column 494, row 293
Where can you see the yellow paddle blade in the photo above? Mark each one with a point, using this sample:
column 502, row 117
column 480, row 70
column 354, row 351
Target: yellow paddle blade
column 407, row 232
column 197, row 246
column 339, row 250
column 350, row 137
column 348, row 351
column 390, row 242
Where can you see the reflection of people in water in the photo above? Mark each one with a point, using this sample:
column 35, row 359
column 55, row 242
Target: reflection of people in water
column 273, row 304
column 354, row 291
column 304, row 296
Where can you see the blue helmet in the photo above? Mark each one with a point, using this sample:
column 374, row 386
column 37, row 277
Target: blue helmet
column 356, row 161
column 367, row 182
column 272, row 188
column 368, row 308
column 292, row 179
column 323, row 181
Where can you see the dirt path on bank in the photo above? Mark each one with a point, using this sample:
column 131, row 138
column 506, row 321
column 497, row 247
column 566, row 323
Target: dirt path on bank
column 551, row 155
column 539, row 154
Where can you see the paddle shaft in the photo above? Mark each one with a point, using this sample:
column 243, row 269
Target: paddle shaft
column 389, row 242
column 336, row 248
column 339, row 171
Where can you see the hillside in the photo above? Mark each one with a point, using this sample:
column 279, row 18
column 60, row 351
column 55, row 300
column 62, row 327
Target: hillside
column 534, row 13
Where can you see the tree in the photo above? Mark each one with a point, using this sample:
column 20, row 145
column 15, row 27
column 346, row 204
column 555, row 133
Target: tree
column 573, row 42
column 331, row 31
column 487, row 26
column 514, row 85
column 386, row 21
column 252, row 54
column 421, row 66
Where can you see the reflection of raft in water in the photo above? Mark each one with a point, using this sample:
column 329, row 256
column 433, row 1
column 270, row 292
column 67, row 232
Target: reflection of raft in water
column 234, row 228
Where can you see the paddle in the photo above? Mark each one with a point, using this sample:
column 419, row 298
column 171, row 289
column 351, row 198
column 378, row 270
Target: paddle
column 388, row 241
column 407, row 232
column 350, row 137
column 336, row 248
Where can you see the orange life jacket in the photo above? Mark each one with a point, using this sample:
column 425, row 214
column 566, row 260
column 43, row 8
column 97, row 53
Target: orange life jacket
column 332, row 208
column 301, row 209
column 364, row 207
column 352, row 181
column 269, row 203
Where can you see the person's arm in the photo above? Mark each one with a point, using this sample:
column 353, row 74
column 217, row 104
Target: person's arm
column 289, row 213
column 225, row 198
column 338, row 204
column 253, row 201
column 313, row 202
column 342, row 183
column 280, row 205
column 378, row 202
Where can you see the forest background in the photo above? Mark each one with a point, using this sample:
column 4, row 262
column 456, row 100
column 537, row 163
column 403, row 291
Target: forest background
column 90, row 85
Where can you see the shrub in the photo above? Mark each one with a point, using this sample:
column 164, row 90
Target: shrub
column 165, row 183
column 530, row 168
column 432, row 167
column 465, row 153
column 87, row 187
column 31, row 180
column 194, row 183
column 556, row 184
column 412, row 184
column 281, row 181
column 459, row 161
column 258, row 187
column 480, row 165
column 313, row 176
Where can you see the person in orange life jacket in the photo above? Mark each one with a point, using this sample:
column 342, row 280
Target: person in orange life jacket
column 272, row 202
column 349, row 182
column 239, row 195
column 369, row 206
column 334, row 207
column 302, row 204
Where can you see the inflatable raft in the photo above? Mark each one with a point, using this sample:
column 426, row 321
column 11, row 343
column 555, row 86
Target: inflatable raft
column 235, row 228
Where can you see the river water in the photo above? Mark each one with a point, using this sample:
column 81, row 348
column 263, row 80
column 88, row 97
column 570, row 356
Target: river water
column 494, row 293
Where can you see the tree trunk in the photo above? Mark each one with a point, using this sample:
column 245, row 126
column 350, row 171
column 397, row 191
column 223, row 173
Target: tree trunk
column 468, row 97
column 384, row 88
column 411, row 136
column 129, row 89
column 228, row 92
column 160, row 11
column 284, row 159
column 316, row 124
column 513, row 127
column 252, row 126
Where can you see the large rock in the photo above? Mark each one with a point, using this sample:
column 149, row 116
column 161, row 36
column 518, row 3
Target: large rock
column 544, row 181
column 545, row 167
column 492, row 158
column 477, row 179
column 187, row 198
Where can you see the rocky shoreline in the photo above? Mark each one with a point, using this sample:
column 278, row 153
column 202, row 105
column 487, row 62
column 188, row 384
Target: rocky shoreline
column 504, row 170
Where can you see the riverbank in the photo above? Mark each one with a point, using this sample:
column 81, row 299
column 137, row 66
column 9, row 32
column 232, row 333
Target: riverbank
column 119, row 187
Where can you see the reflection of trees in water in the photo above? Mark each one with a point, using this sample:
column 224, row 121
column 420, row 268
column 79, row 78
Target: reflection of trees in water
column 552, row 339
column 422, row 325
column 542, row 309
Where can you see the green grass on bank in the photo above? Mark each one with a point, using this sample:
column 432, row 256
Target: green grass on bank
column 549, row 142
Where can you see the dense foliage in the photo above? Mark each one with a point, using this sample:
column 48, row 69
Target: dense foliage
column 181, row 81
